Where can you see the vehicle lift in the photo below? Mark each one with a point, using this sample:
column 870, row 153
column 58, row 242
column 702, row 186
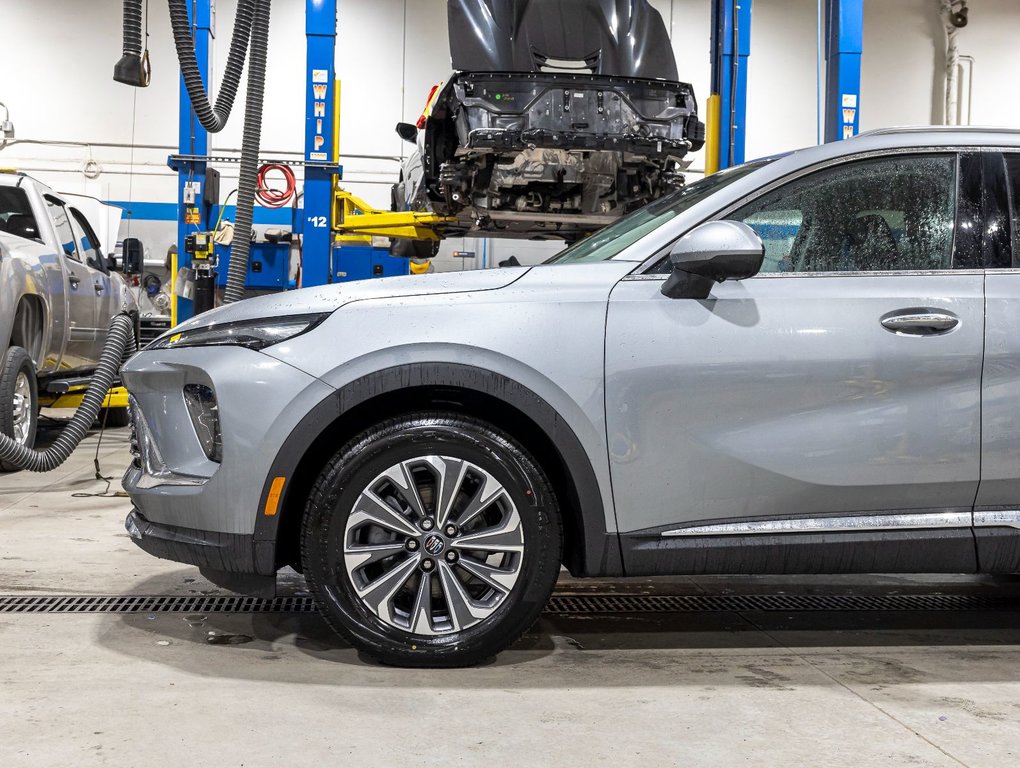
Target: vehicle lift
column 337, row 228
column 731, row 48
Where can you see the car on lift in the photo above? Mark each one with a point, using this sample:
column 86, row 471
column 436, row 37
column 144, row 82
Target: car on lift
column 804, row 364
column 58, row 295
column 544, row 134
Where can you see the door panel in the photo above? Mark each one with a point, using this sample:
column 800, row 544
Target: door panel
column 79, row 351
column 785, row 395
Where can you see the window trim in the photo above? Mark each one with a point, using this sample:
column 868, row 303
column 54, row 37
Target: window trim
column 651, row 262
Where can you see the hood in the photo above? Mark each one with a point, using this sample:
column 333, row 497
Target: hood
column 603, row 37
column 328, row 298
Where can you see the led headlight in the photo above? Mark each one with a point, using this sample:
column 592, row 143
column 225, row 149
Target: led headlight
column 253, row 334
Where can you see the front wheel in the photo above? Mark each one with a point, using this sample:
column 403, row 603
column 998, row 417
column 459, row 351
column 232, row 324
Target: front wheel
column 19, row 400
column 432, row 540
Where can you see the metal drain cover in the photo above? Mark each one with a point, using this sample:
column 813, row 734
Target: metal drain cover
column 558, row 604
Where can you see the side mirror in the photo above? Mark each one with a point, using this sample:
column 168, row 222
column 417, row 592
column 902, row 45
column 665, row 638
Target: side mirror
column 711, row 253
column 133, row 254
column 408, row 132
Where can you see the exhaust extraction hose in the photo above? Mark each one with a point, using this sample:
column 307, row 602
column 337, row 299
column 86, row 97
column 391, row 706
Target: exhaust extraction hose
column 251, row 137
column 213, row 119
column 120, row 342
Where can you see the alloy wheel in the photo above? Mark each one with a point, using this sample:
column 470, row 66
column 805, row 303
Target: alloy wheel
column 433, row 545
column 22, row 408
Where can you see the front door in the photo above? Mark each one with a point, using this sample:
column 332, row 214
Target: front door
column 844, row 379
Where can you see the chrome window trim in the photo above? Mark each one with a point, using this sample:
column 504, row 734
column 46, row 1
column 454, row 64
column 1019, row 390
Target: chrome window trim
column 652, row 260
column 1009, row 518
column 799, row 275
column 847, row 524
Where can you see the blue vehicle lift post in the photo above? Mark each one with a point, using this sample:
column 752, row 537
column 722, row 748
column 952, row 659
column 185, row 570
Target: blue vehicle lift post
column 727, row 104
column 193, row 141
column 844, row 42
column 321, row 143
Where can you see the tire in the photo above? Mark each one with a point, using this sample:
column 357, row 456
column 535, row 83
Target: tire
column 502, row 500
column 18, row 382
column 113, row 417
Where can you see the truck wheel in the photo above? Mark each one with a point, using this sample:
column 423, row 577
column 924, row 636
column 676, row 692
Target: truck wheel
column 19, row 400
column 431, row 540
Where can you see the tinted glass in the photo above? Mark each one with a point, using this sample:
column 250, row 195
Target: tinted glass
column 16, row 214
column 608, row 242
column 1013, row 175
column 87, row 245
column 63, row 224
column 891, row 213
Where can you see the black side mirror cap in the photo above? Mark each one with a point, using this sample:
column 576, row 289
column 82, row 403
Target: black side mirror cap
column 711, row 253
column 408, row 132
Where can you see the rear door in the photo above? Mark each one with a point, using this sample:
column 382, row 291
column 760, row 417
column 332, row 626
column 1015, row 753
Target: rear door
column 81, row 348
column 99, row 273
column 997, row 510
column 836, row 392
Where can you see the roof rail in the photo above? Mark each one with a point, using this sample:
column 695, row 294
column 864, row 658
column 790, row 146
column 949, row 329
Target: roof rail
column 937, row 129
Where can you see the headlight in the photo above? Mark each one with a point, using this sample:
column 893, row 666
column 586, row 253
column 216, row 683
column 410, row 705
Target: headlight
column 253, row 334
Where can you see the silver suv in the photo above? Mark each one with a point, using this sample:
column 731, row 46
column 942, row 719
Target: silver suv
column 806, row 364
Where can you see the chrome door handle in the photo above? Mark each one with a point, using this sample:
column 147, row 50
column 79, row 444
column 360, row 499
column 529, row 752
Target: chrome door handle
column 920, row 322
column 74, row 280
column 98, row 287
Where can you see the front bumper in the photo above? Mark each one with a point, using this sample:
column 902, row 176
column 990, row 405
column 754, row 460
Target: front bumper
column 199, row 511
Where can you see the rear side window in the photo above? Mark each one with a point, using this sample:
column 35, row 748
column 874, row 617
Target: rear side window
column 887, row 214
column 58, row 213
column 1013, row 178
column 16, row 216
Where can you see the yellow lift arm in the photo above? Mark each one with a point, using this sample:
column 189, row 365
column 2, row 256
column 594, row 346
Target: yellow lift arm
column 355, row 219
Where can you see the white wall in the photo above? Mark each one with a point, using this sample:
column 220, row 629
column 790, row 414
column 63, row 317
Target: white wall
column 391, row 51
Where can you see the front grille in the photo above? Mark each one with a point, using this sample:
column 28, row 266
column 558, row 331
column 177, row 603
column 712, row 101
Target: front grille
column 565, row 605
column 152, row 328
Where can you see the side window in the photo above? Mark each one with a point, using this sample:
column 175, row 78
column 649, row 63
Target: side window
column 16, row 214
column 890, row 213
column 58, row 213
column 88, row 245
column 1013, row 177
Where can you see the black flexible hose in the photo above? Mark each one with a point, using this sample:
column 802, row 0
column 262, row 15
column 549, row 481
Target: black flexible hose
column 120, row 342
column 213, row 119
column 133, row 27
column 250, row 139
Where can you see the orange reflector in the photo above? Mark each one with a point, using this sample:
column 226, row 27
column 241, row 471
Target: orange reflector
column 273, row 500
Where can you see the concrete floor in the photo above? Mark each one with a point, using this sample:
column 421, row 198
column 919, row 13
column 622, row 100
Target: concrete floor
column 703, row 689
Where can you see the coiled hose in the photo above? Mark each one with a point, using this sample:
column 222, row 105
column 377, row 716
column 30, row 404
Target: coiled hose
column 213, row 119
column 251, row 136
column 120, row 342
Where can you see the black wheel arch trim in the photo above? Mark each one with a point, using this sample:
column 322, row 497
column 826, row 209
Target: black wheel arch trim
column 601, row 548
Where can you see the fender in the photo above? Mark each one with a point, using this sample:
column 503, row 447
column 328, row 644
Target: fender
column 601, row 549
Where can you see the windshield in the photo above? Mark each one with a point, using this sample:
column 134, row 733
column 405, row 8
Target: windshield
column 608, row 242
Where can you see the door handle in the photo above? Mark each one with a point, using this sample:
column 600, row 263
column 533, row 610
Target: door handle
column 98, row 287
column 920, row 322
column 74, row 280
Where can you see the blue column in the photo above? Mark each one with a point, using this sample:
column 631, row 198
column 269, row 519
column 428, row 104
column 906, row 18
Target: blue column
column 321, row 130
column 731, row 49
column 192, row 140
column 844, row 25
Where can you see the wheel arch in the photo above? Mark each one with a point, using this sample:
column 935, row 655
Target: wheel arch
column 508, row 405
column 35, row 308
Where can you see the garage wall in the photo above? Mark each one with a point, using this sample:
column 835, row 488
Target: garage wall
column 391, row 51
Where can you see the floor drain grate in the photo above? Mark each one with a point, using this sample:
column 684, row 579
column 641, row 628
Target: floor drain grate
column 558, row 604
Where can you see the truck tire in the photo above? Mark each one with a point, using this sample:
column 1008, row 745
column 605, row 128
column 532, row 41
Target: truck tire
column 19, row 400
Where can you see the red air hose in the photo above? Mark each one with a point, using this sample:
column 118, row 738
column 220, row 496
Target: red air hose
column 269, row 196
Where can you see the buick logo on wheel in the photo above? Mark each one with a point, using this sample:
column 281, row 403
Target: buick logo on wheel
column 433, row 545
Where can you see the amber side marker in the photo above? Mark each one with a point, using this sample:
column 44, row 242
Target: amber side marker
column 273, row 500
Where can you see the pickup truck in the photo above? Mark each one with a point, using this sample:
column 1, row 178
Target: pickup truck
column 57, row 298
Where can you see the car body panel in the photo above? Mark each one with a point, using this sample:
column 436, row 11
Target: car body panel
column 834, row 414
column 609, row 37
